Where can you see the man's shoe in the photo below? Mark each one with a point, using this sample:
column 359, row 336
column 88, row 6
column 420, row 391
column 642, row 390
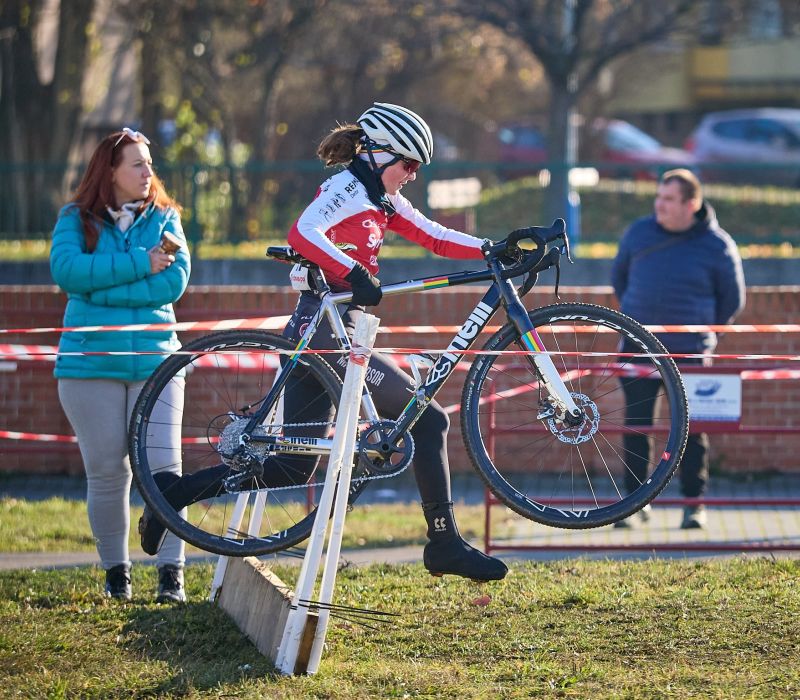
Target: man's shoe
column 644, row 515
column 170, row 584
column 694, row 518
column 180, row 491
column 118, row 582
column 458, row 558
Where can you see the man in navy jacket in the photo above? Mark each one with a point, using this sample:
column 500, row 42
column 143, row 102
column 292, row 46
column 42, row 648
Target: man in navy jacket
column 676, row 266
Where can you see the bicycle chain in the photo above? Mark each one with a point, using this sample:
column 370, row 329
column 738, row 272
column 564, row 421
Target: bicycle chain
column 357, row 479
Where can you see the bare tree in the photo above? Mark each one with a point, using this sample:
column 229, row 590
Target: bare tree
column 39, row 117
column 574, row 40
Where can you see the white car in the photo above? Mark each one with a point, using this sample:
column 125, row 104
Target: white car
column 755, row 145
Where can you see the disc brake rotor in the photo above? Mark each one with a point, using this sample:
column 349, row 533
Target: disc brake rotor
column 575, row 435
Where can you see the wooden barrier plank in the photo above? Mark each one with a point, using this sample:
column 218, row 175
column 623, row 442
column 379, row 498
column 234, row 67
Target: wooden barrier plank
column 258, row 602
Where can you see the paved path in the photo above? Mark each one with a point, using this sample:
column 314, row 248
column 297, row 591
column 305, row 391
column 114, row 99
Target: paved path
column 50, row 560
column 730, row 530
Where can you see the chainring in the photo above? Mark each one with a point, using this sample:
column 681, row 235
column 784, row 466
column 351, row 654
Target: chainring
column 393, row 456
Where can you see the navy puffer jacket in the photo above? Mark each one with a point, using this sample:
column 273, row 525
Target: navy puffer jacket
column 690, row 277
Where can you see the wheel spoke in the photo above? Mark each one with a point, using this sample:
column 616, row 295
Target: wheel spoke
column 197, row 431
column 584, row 475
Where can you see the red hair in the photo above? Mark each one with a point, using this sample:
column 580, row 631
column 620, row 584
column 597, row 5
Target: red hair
column 96, row 191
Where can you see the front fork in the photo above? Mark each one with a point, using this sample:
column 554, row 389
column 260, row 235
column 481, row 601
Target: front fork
column 564, row 407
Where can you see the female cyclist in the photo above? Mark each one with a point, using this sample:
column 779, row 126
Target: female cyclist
column 342, row 231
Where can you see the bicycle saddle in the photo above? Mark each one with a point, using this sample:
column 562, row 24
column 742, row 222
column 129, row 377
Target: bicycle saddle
column 287, row 254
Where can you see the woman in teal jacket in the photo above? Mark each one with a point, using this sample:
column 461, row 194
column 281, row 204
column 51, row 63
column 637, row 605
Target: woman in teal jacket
column 114, row 255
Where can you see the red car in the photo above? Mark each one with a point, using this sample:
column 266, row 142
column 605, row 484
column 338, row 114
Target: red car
column 615, row 147
column 636, row 154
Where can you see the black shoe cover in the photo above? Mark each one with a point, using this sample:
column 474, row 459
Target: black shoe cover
column 458, row 558
column 448, row 553
column 151, row 530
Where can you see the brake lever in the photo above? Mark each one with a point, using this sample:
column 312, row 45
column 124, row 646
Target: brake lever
column 558, row 271
column 564, row 247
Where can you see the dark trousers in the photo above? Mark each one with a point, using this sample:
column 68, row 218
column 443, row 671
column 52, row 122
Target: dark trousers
column 640, row 397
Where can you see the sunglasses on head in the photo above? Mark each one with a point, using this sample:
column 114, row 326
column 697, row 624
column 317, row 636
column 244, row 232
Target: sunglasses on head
column 131, row 134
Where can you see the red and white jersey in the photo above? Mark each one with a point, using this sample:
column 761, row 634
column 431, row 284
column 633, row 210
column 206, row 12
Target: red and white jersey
column 342, row 213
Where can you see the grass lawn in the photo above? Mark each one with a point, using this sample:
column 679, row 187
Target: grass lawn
column 573, row 629
column 724, row 628
column 58, row 524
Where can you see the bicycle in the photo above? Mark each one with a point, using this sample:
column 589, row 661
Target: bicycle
column 565, row 410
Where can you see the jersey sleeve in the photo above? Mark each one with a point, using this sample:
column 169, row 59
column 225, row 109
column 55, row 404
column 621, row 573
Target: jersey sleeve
column 338, row 199
column 412, row 225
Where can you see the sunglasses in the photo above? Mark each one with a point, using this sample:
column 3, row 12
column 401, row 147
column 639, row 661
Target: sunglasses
column 410, row 165
column 131, row 134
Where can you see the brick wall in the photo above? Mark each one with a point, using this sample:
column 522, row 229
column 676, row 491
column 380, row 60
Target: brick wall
column 30, row 403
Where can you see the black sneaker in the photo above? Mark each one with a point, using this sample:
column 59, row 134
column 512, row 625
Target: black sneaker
column 118, row 582
column 170, row 584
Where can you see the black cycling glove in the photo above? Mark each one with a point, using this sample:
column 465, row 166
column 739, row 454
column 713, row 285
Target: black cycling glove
column 366, row 288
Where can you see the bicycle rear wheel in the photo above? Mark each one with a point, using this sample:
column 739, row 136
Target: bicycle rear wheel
column 227, row 376
column 572, row 477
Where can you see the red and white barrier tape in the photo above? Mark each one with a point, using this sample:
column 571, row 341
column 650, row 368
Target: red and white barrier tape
column 36, row 437
column 246, row 358
column 261, row 323
column 43, row 437
column 572, row 374
column 740, row 328
column 278, row 322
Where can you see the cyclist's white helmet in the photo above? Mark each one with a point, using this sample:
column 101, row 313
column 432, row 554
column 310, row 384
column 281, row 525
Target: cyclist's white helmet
column 405, row 132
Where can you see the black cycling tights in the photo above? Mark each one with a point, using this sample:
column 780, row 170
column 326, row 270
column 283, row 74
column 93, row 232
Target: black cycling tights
column 391, row 389
column 307, row 406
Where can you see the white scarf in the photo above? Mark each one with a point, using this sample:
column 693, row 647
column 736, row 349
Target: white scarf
column 123, row 218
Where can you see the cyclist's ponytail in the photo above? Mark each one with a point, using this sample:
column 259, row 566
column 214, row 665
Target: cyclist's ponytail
column 341, row 145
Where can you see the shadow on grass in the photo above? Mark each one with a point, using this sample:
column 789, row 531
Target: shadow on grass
column 200, row 647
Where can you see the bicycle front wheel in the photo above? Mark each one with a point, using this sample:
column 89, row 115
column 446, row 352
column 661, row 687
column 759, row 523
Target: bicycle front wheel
column 586, row 475
column 189, row 419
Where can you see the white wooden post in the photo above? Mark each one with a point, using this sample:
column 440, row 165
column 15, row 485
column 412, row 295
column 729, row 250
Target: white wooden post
column 339, row 466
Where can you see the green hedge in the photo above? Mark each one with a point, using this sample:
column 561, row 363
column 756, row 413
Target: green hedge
column 749, row 214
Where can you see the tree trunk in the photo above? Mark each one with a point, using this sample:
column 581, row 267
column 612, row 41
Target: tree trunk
column 62, row 121
column 40, row 123
column 561, row 103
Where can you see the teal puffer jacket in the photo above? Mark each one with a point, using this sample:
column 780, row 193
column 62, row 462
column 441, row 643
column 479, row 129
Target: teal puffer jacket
column 113, row 286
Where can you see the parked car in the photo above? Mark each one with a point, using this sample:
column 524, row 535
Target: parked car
column 619, row 148
column 756, row 145
column 633, row 152
column 521, row 146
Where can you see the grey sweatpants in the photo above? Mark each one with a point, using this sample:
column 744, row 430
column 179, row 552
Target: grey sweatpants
column 99, row 411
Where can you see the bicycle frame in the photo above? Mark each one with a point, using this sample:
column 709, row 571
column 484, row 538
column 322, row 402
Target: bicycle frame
column 500, row 292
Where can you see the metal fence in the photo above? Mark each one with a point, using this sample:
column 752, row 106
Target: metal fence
column 229, row 204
